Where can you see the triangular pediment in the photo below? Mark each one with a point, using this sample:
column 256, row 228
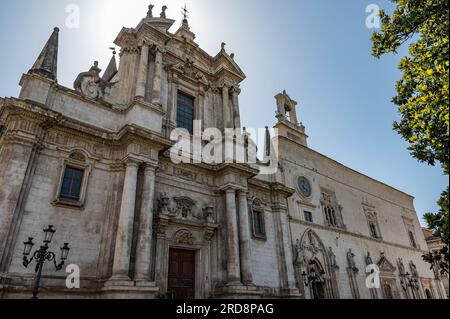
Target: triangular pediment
column 385, row 265
column 224, row 62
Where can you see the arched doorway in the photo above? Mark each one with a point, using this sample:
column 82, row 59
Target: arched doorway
column 315, row 267
column 429, row 294
column 318, row 285
column 388, row 291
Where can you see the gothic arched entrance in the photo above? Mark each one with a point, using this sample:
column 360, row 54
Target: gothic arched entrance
column 315, row 267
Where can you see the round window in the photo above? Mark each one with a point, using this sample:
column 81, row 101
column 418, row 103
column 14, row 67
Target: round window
column 304, row 186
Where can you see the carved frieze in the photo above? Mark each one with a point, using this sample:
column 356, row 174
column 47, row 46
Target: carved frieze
column 184, row 236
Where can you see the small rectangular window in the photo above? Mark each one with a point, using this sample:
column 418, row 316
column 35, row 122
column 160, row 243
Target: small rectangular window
column 185, row 112
column 308, row 217
column 258, row 224
column 71, row 184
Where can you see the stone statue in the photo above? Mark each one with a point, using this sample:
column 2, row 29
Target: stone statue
column 369, row 260
column 333, row 261
column 401, row 267
column 351, row 260
column 163, row 204
column 91, row 85
column 298, row 253
column 150, row 11
column 163, row 12
column 413, row 268
column 223, row 45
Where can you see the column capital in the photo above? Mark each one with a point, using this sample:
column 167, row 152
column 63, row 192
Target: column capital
column 131, row 161
column 243, row 192
column 235, row 90
column 150, row 167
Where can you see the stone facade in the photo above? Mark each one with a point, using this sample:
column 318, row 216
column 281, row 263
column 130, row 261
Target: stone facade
column 135, row 206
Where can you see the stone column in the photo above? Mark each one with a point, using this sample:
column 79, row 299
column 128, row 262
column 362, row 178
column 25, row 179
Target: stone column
column 227, row 121
column 236, row 111
column 200, row 107
column 142, row 72
column 233, row 264
column 173, row 105
column 145, row 234
column 125, row 228
column 244, row 236
column 156, row 94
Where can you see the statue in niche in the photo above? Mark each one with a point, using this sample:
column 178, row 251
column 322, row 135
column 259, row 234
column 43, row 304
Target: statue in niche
column 401, row 266
column 351, row 260
column 299, row 257
column 333, row 262
column 413, row 268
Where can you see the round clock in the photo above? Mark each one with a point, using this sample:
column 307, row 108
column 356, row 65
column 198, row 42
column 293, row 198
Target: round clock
column 304, row 186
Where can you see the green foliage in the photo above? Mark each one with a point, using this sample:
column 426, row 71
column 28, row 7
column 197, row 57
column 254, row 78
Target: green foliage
column 438, row 223
column 422, row 93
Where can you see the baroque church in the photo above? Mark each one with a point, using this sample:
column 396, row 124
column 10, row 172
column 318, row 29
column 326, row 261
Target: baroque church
column 93, row 162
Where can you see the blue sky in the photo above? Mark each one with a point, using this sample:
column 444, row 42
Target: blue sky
column 319, row 51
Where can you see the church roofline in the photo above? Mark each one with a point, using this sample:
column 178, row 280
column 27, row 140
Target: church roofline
column 349, row 168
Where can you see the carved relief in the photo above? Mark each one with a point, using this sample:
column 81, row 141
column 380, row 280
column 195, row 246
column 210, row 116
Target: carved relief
column 184, row 207
column 91, row 85
column 184, row 237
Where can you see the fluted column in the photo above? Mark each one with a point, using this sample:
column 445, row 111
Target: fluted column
column 125, row 228
column 142, row 72
column 156, row 93
column 244, row 237
column 233, row 264
column 236, row 111
column 145, row 235
column 226, row 108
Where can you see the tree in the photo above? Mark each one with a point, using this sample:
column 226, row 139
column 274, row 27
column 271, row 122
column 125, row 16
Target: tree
column 438, row 223
column 422, row 93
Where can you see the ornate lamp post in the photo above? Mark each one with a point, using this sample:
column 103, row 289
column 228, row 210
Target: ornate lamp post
column 42, row 255
column 408, row 281
column 313, row 277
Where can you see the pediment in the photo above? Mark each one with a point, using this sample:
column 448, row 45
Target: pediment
column 385, row 265
column 223, row 62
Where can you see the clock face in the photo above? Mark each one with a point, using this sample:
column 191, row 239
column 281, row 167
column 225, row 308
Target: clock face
column 304, row 186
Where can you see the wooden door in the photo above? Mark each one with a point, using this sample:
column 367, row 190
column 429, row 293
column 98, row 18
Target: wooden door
column 181, row 274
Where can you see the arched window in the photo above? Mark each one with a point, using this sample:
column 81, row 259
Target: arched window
column 331, row 210
column 412, row 239
column 373, row 230
column 73, row 180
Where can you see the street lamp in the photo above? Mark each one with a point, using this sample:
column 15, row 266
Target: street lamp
column 313, row 277
column 42, row 255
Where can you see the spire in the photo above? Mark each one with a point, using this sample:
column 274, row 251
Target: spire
column 47, row 62
column 111, row 69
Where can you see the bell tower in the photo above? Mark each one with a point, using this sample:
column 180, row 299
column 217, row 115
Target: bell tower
column 288, row 125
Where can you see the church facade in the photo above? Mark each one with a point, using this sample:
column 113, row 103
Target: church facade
column 94, row 161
